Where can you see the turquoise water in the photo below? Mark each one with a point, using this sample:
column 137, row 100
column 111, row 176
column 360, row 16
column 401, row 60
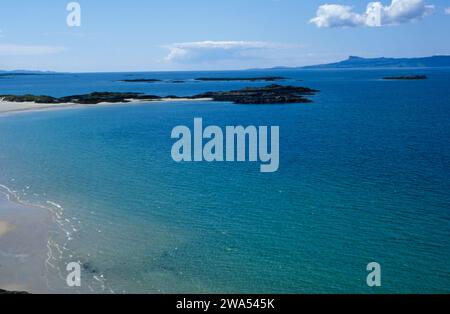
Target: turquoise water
column 364, row 176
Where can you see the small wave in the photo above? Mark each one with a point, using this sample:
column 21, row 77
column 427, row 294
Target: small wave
column 57, row 251
column 10, row 194
column 55, row 204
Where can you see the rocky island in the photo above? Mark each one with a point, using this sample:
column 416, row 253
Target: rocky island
column 406, row 77
column 271, row 94
column 87, row 99
column 140, row 80
column 247, row 79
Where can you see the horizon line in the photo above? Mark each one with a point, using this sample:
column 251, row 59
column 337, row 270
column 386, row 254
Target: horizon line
column 280, row 67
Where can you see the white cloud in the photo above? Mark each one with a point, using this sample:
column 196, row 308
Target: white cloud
column 447, row 11
column 203, row 50
column 230, row 55
column 28, row 50
column 399, row 11
column 335, row 15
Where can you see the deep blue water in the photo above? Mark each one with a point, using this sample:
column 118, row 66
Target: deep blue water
column 364, row 176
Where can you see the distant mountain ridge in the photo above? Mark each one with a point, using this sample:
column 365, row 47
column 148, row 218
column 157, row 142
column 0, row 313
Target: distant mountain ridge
column 12, row 72
column 353, row 62
column 359, row 62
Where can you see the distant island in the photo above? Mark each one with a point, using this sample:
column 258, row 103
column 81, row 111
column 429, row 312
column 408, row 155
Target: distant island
column 17, row 74
column 210, row 79
column 4, row 73
column 141, row 80
column 359, row 62
column 271, row 94
column 406, row 77
column 248, row 79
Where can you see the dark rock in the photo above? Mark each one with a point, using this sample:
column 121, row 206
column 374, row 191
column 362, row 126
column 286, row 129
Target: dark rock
column 140, row 80
column 406, row 77
column 12, row 292
column 249, row 79
column 271, row 94
column 26, row 98
column 97, row 97
column 88, row 99
column 88, row 267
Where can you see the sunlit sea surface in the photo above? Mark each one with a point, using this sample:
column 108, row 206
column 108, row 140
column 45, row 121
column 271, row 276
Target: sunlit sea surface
column 364, row 177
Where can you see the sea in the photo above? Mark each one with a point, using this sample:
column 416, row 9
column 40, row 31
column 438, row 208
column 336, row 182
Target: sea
column 364, row 177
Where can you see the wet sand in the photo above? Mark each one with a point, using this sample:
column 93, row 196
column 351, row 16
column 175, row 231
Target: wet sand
column 24, row 233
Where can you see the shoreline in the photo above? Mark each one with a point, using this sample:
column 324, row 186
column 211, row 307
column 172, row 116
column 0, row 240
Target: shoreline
column 270, row 94
column 25, row 228
column 31, row 251
column 11, row 107
column 24, row 234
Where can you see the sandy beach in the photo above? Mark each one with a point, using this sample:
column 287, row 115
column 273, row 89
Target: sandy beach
column 24, row 232
column 7, row 107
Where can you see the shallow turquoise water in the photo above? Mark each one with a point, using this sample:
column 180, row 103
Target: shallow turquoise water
column 364, row 176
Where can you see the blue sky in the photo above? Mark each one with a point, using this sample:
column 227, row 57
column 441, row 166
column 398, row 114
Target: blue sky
column 138, row 35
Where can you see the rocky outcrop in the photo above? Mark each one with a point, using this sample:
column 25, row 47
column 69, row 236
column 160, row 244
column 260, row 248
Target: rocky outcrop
column 406, row 77
column 248, row 79
column 271, row 94
column 88, row 99
column 141, row 81
column 12, row 292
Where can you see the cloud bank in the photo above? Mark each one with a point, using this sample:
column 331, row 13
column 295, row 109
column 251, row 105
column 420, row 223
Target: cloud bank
column 447, row 11
column 376, row 15
column 203, row 50
column 232, row 54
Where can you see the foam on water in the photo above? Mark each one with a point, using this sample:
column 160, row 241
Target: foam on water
column 57, row 246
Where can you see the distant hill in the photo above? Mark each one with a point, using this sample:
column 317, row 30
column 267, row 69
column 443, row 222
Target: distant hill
column 358, row 62
column 24, row 72
column 354, row 62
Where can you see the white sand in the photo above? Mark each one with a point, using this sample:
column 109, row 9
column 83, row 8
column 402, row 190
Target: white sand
column 9, row 106
column 15, row 107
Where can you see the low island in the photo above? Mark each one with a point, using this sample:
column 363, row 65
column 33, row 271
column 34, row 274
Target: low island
column 406, row 77
column 271, row 94
column 140, row 80
column 86, row 99
column 241, row 79
column 212, row 79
